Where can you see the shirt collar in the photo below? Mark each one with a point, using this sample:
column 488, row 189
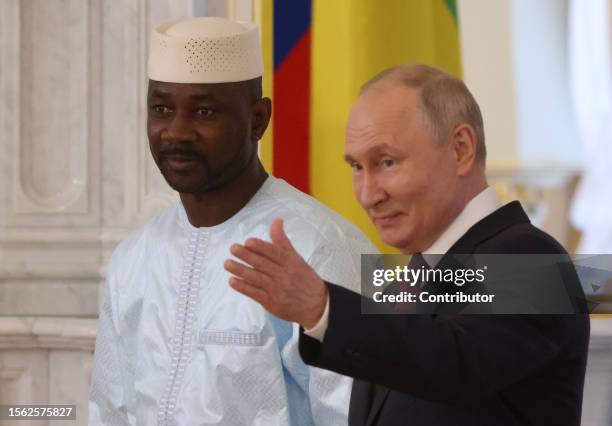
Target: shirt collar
column 479, row 207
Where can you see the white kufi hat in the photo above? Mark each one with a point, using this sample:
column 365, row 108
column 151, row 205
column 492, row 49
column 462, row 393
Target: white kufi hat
column 205, row 50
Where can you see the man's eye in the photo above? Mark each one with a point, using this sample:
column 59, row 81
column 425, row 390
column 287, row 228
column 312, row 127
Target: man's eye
column 356, row 167
column 387, row 162
column 204, row 112
column 160, row 109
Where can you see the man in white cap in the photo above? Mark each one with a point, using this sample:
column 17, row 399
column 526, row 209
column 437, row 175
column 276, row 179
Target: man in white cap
column 176, row 345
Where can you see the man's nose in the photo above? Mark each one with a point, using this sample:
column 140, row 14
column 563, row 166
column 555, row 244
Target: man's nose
column 370, row 192
column 180, row 128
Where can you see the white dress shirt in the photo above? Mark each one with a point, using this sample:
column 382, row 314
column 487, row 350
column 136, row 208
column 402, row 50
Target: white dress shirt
column 479, row 207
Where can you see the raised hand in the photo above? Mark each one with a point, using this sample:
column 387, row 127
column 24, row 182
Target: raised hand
column 278, row 278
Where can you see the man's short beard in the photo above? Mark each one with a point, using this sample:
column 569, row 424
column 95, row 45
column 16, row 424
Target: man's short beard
column 215, row 181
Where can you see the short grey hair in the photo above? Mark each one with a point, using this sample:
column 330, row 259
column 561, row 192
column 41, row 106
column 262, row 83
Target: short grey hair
column 445, row 100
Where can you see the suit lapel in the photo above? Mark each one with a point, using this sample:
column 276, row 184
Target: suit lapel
column 502, row 218
column 361, row 401
column 380, row 395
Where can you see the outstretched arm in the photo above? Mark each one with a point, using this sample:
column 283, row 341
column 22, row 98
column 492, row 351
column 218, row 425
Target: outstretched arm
column 455, row 359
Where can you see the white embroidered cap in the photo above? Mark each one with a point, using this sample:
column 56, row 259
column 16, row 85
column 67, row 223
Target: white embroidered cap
column 205, row 50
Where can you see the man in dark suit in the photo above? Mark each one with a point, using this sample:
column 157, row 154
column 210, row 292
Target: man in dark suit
column 415, row 142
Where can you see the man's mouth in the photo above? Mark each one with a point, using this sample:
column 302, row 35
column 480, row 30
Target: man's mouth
column 180, row 162
column 383, row 220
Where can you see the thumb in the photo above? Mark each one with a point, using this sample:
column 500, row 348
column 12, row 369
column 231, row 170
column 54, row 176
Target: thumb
column 278, row 236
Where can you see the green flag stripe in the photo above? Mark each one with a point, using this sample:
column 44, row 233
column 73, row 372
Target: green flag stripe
column 452, row 8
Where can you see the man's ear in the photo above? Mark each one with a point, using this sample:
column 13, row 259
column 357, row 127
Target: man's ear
column 260, row 117
column 463, row 142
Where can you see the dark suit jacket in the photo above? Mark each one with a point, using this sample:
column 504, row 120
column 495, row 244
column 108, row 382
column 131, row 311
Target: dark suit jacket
column 430, row 370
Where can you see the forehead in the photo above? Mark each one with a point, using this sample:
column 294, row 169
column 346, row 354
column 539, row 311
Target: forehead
column 383, row 116
column 386, row 103
column 219, row 91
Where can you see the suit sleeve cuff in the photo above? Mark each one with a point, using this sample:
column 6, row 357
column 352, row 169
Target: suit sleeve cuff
column 318, row 331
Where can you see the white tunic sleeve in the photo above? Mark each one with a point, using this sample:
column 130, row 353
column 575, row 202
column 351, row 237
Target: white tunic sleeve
column 106, row 406
column 330, row 392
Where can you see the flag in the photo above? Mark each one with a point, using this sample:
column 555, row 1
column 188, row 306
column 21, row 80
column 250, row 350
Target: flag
column 319, row 53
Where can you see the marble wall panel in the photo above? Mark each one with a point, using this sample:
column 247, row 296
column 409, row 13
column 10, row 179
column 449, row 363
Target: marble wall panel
column 46, row 361
column 53, row 92
column 50, row 130
column 69, row 382
column 23, row 380
column 50, row 168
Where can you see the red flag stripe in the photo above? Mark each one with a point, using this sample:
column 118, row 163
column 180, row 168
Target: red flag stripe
column 292, row 116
